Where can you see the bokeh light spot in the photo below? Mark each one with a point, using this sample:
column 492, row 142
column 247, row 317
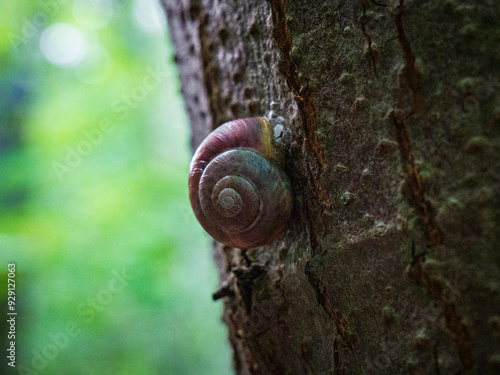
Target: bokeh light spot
column 149, row 16
column 63, row 45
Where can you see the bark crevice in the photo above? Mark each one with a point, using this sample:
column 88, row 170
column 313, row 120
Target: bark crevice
column 302, row 96
column 339, row 366
column 426, row 212
column 371, row 52
column 326, row 302
column 411, row 73
column 416, row 186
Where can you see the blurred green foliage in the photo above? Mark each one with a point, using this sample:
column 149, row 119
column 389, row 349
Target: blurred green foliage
column 113, row 273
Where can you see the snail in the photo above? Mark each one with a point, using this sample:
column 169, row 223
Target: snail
column 238, row 191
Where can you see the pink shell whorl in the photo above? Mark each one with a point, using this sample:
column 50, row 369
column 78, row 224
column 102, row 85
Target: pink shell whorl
column 238, row 192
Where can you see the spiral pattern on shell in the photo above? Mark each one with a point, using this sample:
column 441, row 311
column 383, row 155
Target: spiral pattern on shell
column 238, row 191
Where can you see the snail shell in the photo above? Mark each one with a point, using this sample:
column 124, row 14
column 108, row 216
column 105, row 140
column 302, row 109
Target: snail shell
column 238, row 191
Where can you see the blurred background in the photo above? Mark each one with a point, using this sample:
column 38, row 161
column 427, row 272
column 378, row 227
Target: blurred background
column 113, row 273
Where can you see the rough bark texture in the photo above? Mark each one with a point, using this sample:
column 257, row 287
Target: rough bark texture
column 390, row 263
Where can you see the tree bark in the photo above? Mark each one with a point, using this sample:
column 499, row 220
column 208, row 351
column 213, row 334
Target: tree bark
column 390, row 263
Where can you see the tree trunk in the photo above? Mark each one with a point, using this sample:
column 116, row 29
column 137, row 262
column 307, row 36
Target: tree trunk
column 390, row 263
